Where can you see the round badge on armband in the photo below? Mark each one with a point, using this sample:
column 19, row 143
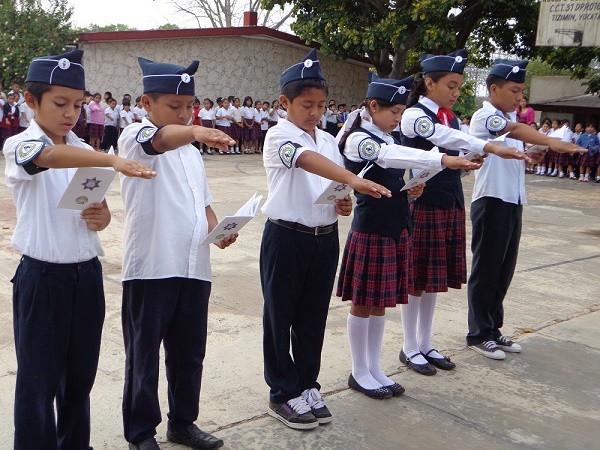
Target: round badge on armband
column 146, row 134
column 424, row 127
column 368, row 149
column 495, row 123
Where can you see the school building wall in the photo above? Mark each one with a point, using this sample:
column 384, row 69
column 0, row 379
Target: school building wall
column 236, row 66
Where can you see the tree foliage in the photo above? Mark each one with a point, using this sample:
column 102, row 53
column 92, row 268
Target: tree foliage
column 392, row 33
column 28, row 30
column 94, row 28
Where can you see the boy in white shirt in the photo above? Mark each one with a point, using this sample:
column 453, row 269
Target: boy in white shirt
column 496, row 211
column 126, row 115
column 111, row 121
column 166, row 269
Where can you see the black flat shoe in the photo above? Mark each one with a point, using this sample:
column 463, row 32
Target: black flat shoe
column 380, row 393
column 397, row 389
column 148, row 444
column 424, row 369
column 441, row 363
column 192, row 436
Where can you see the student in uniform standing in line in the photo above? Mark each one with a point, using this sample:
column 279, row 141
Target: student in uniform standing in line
column 207, row 117
column 589, row 140
column 332, row 120
column 126, row 115
column 274, row 113
column 237, row 126
column 257, row 125
column 248, row 125
column 224, row 121
column 550, row 168
column 138, row 110
column 376, row 269
column 496, row 211
column 10, row 117
column 166, row 270
column 439, row 236
column 58, row 297
column 111, row 121
column 264, row 125
column 96, row 123
column 300, row 247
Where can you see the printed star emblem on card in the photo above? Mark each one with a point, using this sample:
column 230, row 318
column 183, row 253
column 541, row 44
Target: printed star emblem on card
column 230, row 226
column 91, row 184
column 88, row 186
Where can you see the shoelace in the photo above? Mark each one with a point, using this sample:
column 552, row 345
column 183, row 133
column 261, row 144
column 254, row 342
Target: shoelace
column 314, row 399
column 299, row 405
column 489, row 345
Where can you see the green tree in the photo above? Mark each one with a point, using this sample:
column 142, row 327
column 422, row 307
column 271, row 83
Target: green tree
column 168, row 26
column 392, row 33
column 28, row 30
column 94, row 28
column 467, row 103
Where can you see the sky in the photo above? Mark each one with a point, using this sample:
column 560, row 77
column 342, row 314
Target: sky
column 140, row 14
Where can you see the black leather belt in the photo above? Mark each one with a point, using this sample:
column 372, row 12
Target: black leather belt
column 316, row 231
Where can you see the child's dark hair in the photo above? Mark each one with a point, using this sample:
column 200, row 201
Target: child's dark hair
column 246, row 98
column 266, row 103
column 155, row 95
column 209, row 101
column 108, row 93
column 95, row 94
column 296, row 88
column 358, row 120
column 548, row 121
column 494, row 79
column 126, row 102
column 138, row 99
column 110, row 100
column 418, row 87
column 273, row 102
column 37, row 90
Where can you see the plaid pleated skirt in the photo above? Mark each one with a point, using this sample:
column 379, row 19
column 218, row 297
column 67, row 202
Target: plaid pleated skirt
column 565, row 159
column 258, row 132
column 376, row 270
column 587, row 160
column 207, row 123
column 438, row 248
column 226, row 130
column 236, row 131
column 96, row 130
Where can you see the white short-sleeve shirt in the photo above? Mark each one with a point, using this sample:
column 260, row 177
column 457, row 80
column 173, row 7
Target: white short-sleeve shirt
column 207, row 114
column 165, row 218
column 498, row 177
column 126, row 118
column 222, row 112
column 45, row 232
column 292, row 190
column 111, row 117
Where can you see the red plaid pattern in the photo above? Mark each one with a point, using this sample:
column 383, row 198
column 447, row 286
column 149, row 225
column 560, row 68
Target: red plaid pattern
column 258, row 132
column 207, row 123
column 96, row 130
column 565, row 159
column 376, row 270
column 587, row 160
column 438, row 248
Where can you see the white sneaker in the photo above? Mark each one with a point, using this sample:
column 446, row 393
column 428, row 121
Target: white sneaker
column 489, row 349
column 317, row 405
column 538, row 171
column 554, row 173
column 580, row 177
column 587, row 178
column 507, row 345
column 543, row 172
column 561, row 175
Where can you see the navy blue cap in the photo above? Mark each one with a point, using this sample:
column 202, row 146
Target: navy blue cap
column 309, row 67
column 510, row 70
column 453, row 62
column 390, row 90
column 60, row 70
column 168, row 78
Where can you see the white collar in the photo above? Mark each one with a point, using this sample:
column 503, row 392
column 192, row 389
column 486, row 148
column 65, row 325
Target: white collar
column 429, row 104
column 292, row 128
column 367, row 124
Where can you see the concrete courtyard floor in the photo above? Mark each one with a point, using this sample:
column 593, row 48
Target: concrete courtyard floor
column 547, row 397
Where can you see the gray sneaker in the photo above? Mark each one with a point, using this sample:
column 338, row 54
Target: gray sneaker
column 294, row 413
column 489, row 349
column 507, row 345
column 317, row 405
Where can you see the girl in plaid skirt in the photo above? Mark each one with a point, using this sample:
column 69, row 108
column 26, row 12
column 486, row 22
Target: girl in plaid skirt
column 376, row 268
column 439, row 237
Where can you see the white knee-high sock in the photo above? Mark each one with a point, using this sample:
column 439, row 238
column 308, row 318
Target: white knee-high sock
column 358, row 335
column 426, row 310
column 410, row 316
column 376, row 328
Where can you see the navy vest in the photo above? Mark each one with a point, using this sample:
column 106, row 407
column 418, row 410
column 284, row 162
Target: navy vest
column 445, row 189
column 385, row 216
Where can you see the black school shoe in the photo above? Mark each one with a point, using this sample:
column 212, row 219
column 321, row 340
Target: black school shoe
column 192, row 436
column 424, row 369
column 441, row 363
column 148, row 444
column 379, row 394
column 397, row 389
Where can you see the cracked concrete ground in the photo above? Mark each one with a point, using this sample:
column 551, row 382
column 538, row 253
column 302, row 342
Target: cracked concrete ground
column 547, row 397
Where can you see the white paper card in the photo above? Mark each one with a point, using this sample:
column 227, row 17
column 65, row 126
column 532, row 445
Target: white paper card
column 232, row 224
column 421, row 177
column 88, row 186
column 500, row 138
column 335, row 191
column 534, row 149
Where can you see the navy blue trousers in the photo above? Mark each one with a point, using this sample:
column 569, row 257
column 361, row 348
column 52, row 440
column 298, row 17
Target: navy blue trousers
column 495, row 245
column 172, row 311
column 58, row 313
column 297, row 271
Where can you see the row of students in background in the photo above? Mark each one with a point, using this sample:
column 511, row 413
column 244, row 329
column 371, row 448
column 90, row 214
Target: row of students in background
column 14, row 116
column 562, row 164
column 334, row 117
